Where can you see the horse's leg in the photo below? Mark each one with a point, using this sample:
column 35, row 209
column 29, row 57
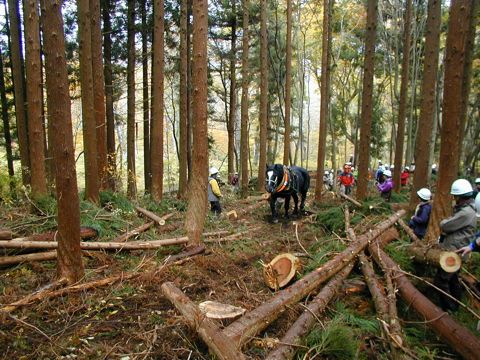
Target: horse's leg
column 287, row 205
column 295, row 201
column 273, row 200
column 304, row 197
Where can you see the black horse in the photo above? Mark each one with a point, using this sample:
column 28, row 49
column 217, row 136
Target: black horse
column 282, row 182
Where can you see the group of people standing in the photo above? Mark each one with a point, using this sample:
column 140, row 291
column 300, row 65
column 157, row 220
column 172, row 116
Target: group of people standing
column 457, row 233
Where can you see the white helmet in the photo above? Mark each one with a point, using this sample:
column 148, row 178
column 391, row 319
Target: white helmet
column 407, row 168
column 477, row 181
column 387, row 173
column 461, row 187
column 213, row 170
column 477, row 204
column 424, row 194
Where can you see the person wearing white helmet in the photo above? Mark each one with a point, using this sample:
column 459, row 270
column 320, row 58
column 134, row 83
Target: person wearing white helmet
column 419, row 221
column 214, row 193
column 385, row 186
column 476, row 191
column 458, row 231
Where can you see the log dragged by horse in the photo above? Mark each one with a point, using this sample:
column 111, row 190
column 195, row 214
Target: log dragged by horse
column 285, row 182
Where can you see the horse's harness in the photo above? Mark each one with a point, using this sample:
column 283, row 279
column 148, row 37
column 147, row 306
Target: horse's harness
column 287, row 181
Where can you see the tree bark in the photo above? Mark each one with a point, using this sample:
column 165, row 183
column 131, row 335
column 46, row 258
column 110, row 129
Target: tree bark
column 245, row 80
column 324, row 100
column 210, row 333
column 131, row 171
column 308, row 319
column 457, row 336
column 403, row 98
column 107, row 48
column 197, row 202
column 288, row 87
column 233, row 93
column 183, row 151
column 85, row 233
column 262, row 162
column 36, row 139
column 157, row 102
column 367, row 108
column 69, row 265
column 258, row 319
column 459, row 23
column 6, row 120
column 5, row 234
column 88, row 114
column 428, row 100
column 145, row 101
column 18, row 79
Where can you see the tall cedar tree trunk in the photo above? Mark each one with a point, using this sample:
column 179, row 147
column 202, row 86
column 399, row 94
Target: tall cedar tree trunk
column 244, row 126
column 131, row 173
column 233, row 94
column 189, row 90
column 69, row 261
column 457, row 40
column 34, row 97
column 107, row 71
column 18, row 79
column 428, row 100
column 88, row 116
column 288, row 86
column 145, row 102
column 324, row 100
column 403, row 98
column 467, row 74
column 262, row 163
column 182, row 181
column 197, row 202
column 156, row 148
column 6, row 120
column 99, row 92
column 367, row 91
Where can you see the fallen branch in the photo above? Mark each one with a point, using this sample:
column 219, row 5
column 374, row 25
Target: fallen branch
column 184, row 254
column 258, row 319
column 449, row 261
column 233, row 236
column 152, row 216
column 17, row 259
column 352, row 200
column 457, row 336
column 5, row 234
column 134, row 232
column 249, row 209
column 301, row 327
column 409, row 231
column 85, row 233
column 210, row 333
column 133, row 245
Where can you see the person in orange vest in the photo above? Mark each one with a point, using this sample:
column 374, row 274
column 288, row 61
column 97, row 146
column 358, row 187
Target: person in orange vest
column 346, row 180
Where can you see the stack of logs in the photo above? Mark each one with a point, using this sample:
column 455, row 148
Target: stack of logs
column 227, row 343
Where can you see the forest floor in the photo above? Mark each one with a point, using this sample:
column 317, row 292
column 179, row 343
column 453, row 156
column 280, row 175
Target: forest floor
column 131, row 319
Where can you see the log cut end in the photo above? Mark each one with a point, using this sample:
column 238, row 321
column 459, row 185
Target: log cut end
column 216, row 310
column 450, row 261
column 280, row 270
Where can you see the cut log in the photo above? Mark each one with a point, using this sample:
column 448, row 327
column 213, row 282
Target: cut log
column 184, row 254
column 457, row 336
column 210, row 333
column 216, row 233
column 152, row 216
column 305, row 322
column 134, row 232
column 232, row 215
column 249, row 209
column 409, row 231
column 17, row 259
column 352, row 200
column 449, row 261
column 5, row 234
column 85, row 233
column 278, row 272
column 216, row 310
column 376, row 289
column 258, row 319
column 133, row 245
column 388, row 236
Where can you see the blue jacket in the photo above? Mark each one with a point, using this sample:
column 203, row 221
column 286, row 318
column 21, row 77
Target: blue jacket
column 419, row 221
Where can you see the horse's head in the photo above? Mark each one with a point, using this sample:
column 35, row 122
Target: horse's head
column 273, row 177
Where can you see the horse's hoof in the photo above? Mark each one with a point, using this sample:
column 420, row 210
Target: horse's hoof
column 275, row 221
